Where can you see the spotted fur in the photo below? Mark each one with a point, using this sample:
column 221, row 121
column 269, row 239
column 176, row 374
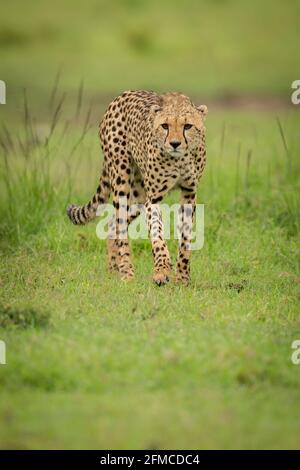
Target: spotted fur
column 151, row 144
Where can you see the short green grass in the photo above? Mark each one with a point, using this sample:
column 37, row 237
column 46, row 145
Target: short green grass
column 96, row 363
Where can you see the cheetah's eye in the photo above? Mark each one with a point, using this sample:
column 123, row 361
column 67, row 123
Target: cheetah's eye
column 165, row 126
column 187, row 126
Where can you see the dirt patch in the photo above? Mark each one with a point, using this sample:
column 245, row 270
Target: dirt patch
column 251, row 102
column 243, row 102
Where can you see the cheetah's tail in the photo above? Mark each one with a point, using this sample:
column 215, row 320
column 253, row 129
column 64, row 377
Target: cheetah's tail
column 81, row 215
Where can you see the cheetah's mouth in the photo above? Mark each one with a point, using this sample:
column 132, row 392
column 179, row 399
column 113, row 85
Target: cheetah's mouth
column 175, row 153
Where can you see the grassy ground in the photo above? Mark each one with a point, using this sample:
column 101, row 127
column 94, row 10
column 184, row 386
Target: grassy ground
column 93, row 363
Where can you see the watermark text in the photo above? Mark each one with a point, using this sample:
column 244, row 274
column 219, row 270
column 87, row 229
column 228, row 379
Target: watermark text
column 2, row 92
column 176, row 222
column 296, row 94
column 295, row 358
column 2, row 353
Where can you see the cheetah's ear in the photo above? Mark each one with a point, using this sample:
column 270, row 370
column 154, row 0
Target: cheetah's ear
column 203, row 110
column 155, row 108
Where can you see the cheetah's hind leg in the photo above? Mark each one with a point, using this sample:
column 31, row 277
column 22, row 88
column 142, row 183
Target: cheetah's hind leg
column 137, row 199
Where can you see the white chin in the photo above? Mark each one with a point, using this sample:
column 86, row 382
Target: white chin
column 174, row 153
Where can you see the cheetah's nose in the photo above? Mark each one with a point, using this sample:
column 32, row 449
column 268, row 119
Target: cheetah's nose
column 175, row 144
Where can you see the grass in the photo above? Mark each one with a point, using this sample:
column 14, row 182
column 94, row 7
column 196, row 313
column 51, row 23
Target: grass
column 94, row 363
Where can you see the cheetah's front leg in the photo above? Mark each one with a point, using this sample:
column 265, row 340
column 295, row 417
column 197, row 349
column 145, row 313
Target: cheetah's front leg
column 162, row 261
column 185, row 225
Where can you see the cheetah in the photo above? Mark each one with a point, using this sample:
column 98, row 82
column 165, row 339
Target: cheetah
column 151, row 143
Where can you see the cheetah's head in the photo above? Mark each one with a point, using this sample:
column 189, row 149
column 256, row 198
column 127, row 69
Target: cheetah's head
column 178, row 125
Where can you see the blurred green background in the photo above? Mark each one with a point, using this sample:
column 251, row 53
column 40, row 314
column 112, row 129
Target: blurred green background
column 206, row 48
